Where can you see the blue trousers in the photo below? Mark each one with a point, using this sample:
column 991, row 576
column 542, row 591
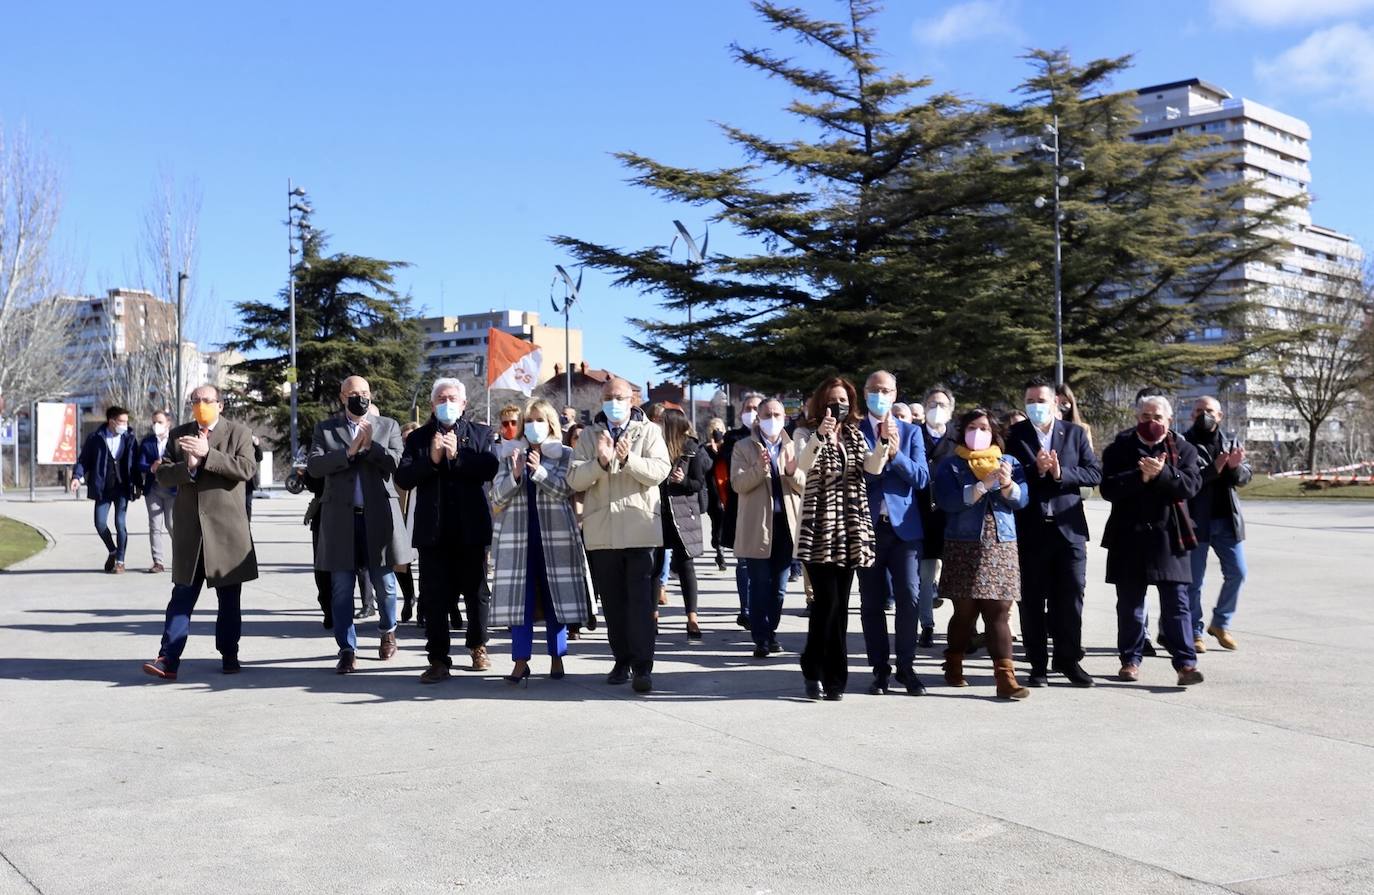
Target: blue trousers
column 1175, row 623
column 895, row 574
column 341, row 585
column 742, row 585
column 1231, row 553
column 555, row 632
column 925, row 600
column 102, row 524
column 768, row 584
column 177, row 625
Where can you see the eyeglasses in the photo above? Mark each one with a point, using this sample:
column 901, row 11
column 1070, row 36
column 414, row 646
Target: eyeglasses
column 205, row 401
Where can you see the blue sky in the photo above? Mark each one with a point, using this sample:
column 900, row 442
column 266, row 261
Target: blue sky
column 458, row 137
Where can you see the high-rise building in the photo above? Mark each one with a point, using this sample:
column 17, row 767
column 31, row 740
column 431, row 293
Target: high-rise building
column 1273, row 149
column 453, row 343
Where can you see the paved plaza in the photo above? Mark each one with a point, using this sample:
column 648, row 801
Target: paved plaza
column 289, row 778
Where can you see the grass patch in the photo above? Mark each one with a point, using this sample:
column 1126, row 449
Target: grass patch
column 18, row 542
column 1264, row 488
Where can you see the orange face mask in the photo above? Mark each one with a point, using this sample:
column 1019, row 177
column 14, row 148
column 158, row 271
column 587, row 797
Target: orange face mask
column 509, row 429
column 205, row 414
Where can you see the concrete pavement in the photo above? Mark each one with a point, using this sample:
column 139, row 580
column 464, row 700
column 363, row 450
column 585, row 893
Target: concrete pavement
column 289, row 778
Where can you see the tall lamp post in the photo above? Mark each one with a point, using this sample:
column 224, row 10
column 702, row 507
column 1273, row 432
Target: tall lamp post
column 697, row 256
column 572, row 293
column 297, row 215
column 1060, row 180
column 180, row 400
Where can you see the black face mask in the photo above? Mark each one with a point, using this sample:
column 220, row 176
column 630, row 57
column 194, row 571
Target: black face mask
column 357, row 405
column 839, row 411
column 1205, row 422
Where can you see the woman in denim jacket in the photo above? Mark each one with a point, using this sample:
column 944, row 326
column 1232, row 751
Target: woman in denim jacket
column 980, row 489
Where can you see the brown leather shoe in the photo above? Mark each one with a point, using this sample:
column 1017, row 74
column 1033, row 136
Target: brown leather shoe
column 1189, row 676
column 158, row 668
column 954, row 669
column 480, row 662
column 1223, row 637
column 1004, row 672
column 1199, row 645
column 1129, row 673
column 347, row 663
column 157, row 568
column 119, row 568
column 434, row 674
column 388, row 647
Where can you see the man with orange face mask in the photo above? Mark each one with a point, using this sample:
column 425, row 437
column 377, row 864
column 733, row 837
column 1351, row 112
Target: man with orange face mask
column 209, row 461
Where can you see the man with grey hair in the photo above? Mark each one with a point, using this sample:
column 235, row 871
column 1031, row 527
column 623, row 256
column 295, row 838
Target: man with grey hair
column 361, row 526
column 748, row 413
column 446, row 465
column 1148, row 475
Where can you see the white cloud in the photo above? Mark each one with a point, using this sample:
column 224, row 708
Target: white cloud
column 1272, row 13
column 973, row 20
column 1334, row 64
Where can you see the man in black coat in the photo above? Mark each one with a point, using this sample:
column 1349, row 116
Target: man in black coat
column 446, row 465
column 1148, row 475
column 936, row 412
column 1216, row 513
column 1052, row 534
column 748, row 412
column 108, row 467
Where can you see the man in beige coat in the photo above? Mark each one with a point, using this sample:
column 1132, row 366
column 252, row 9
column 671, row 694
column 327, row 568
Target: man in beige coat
column 765, row 474
column 619, row 463
column 209, row 461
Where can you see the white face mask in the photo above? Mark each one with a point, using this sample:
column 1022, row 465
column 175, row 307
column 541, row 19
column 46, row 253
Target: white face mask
column 937, row 416
column 772, row 426
column 747, row 418
column 159, row 429
column 536, row 431
column 121, row 428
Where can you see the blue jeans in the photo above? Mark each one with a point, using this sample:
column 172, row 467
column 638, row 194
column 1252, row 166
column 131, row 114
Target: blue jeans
column 667, row 563
column 102, row 524
column 177, row 625
column 768, row 584
column 895, row 574
column 1175, row 623
column 522, row 636
column 1232, row 555
column 742, row 585
column 341, row 585
column 925, row 600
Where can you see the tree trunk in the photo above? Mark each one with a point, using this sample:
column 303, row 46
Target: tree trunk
column 1312, row 446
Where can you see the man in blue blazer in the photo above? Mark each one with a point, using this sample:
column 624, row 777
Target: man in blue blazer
column 1052, row 534
column 108, row 467
column 894, row 475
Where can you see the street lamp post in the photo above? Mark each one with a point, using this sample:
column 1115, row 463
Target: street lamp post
column 294, row 193
column 571, row 295
column 180, row 400
column 696, row 256
column 1060, row 181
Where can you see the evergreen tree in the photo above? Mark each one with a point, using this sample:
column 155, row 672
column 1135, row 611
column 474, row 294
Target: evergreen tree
column 867, row 230
column 349, row 320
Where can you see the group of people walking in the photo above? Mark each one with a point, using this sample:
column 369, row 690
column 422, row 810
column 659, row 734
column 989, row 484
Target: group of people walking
column 536, row 525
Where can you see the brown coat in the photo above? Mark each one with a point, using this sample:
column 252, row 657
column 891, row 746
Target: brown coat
column 211, row 514
column 750, row 477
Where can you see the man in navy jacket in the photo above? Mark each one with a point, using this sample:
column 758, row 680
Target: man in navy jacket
column 1052, row 534
column 107, row 465
column 894, row 477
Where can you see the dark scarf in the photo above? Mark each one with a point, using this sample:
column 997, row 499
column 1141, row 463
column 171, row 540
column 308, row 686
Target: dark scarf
column 1181, row 532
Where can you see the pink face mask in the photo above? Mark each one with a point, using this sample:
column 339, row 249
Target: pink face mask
column 978, row 439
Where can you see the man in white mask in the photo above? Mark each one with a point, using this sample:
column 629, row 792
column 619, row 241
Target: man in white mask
column 159, row 498
column 619, row 463
column 936, row 411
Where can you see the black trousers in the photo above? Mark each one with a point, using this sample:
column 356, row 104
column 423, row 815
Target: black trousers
column 448, row 571
column 825, row 657
column 686, row 573
column 625, row 581
column 1053, row 574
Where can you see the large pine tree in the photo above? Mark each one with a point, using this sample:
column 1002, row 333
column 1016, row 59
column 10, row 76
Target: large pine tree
column 349, row 320
column 898, row 232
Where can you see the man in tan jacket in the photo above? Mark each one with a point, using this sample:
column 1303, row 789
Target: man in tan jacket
column 620, row 461
column 209, row 461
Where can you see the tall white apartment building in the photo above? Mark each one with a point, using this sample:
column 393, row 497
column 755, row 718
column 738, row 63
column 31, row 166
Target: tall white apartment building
column 1274, row 150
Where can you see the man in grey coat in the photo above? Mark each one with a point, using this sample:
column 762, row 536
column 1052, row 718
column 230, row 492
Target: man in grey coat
column 361, row 526
column 208, row 462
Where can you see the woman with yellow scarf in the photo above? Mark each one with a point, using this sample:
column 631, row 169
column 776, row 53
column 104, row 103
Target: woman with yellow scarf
column 980, row 489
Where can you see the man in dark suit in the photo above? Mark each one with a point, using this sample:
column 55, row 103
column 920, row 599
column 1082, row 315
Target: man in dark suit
column 446, row 465
column 936, row 412
column 108, row 466
column 360, row 515
column 894, row 476
column 208, row 462
column 1052, row 534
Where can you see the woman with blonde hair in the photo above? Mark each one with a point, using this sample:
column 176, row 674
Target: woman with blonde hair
column 540, row 562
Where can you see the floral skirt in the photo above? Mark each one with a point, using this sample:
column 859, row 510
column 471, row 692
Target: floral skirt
column 987, row 569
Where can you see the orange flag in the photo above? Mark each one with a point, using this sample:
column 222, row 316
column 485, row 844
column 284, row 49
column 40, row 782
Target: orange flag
column 512, row 363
